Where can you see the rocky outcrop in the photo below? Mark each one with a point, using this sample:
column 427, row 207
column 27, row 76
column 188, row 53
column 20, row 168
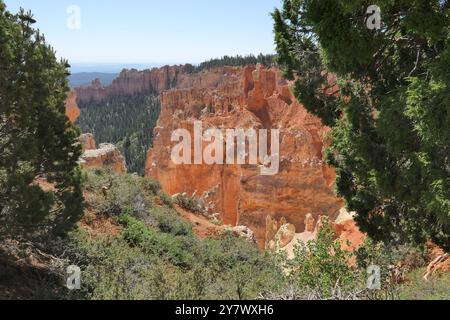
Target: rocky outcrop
column 242, row 232
column 131, row 82
column 72, row 110
column 205, row 228
column 106, row 156
column 286, row 239
column 250, row 97
column 285, row 235
column 87, row 142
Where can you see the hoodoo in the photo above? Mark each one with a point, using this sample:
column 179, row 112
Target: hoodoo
column 252, row 97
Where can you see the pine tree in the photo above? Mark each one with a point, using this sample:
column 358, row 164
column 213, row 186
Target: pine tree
column 236, row 61
column 385, row 93
column 37, row 142
column 127, row 122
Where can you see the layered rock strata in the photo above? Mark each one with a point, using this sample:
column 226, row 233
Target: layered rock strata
column 131, row 82
column 251, row 97
column 106, row 156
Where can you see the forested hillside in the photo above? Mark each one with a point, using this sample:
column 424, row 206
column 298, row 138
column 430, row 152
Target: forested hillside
column 127, row 122
column 237, row 61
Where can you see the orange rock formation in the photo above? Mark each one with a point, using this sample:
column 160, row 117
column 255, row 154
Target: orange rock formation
column 72, row 110
column 87, row 142
column 250, row 97
column 107, row 155
column 130, row 82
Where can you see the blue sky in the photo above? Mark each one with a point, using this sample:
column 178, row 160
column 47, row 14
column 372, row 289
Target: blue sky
column 157, row 31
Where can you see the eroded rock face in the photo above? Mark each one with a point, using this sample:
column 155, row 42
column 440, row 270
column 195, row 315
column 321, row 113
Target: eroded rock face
column 87, row 142
column 72, row 110
column 242, row 232
column 106, row 156
column 286, row 239
column 250, row 97
column 285, row 235
column 131, row 82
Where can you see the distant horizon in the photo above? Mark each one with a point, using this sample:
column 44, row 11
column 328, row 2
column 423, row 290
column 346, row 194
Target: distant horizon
column 111, row 68
column 117, row 67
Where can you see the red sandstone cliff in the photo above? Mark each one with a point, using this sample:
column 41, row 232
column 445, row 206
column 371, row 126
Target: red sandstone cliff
column 130, row 82
column 87, row 142
column 250, row 97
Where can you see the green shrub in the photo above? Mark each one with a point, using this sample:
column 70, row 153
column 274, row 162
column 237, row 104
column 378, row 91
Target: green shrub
column 416, row 288
column 189, row 203
column 150, row 185
column 384, row 255
column 128, row 193
column 322, row 266
column 112, row 270
column 145, row 263
column 137, row 234
column 395, row 263
column 168, row 222
column 157, row 256
column 166, row 199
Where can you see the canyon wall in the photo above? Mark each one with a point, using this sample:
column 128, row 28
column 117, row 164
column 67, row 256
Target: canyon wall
column 250, row 97
column 131, row 82
column 230, row 98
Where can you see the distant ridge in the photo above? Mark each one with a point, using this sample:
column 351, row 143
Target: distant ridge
column 132, row 81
